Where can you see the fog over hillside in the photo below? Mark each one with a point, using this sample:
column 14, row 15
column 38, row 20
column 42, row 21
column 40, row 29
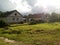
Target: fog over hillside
column 30, row 6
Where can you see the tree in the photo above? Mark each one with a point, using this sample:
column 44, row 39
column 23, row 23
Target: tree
column 3, row 24
column 54, row 17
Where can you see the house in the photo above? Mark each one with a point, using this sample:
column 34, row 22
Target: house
column 38, row 17
column 11, row 17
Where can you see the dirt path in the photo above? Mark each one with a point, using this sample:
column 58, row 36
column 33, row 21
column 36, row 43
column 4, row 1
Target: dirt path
column 8, row 40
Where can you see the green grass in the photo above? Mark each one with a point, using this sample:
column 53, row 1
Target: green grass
column 38, row 34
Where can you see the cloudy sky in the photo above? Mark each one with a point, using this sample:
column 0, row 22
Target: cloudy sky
column 31, row 6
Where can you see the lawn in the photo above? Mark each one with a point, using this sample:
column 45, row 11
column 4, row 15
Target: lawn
column 38, row 34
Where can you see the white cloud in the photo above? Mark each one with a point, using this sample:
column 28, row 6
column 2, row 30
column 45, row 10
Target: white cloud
column 49, row 5
column 32, row 5
column 21, row 6
column 48, row 2
column 6, row 5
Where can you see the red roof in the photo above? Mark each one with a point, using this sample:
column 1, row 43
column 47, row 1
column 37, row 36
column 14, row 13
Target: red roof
column 36, row 15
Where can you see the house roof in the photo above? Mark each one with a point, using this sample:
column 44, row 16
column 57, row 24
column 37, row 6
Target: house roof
column 36, row 15
column 5, row 14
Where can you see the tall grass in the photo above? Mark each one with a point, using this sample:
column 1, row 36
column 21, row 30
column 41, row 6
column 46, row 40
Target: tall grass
column 38, row 34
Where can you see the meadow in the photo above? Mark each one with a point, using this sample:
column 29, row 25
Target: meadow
column 37, row 34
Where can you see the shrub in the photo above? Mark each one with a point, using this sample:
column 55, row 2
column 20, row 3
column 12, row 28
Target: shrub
column 3, row 24
column 21, row 22
column 35, row 22
column 40, row 21
column 15, row 32
column 32, row 22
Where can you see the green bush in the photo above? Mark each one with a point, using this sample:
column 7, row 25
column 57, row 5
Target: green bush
column 35, row 21
column 21, row 22
column 3, row 24
column 32, row 22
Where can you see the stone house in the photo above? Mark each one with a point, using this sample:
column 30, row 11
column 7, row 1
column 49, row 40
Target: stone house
column 37, row 17
column 12, row 17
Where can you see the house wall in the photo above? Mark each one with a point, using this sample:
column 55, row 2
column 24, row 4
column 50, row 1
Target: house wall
column 43, row 18
column 13, row 18
column 37, row 18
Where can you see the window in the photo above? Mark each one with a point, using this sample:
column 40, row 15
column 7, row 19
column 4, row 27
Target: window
column 15, row 14
column 13, row 18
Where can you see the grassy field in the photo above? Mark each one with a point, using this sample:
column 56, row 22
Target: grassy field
column 38, row 34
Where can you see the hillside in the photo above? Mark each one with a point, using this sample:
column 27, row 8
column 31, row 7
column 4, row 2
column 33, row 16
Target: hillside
column 38, row 34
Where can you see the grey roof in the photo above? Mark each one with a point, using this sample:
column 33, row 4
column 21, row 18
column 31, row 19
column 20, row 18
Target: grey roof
column 5, row 14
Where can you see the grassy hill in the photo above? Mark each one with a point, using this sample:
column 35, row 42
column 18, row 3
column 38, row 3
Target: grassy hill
column 38, row 34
